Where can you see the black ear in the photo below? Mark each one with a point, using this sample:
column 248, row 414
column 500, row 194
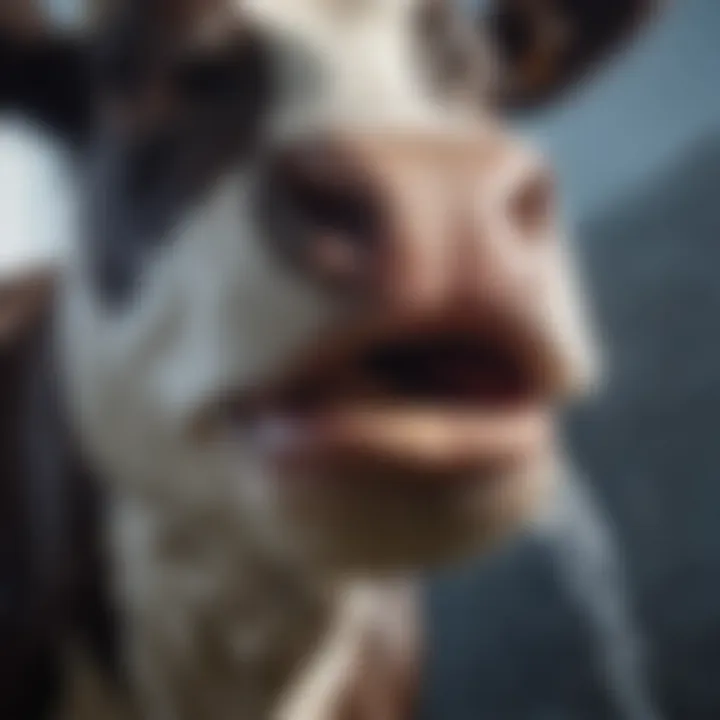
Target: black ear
column 44, row 76
column 544, row 47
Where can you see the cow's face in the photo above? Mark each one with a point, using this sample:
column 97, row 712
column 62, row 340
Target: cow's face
column 324, row 295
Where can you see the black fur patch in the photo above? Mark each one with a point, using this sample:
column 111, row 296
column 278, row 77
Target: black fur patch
column 49, row 81
column 145, row 178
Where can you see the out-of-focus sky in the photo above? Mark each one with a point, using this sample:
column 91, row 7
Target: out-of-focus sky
column 655, row 101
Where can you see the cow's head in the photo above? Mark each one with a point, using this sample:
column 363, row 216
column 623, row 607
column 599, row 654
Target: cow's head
column 322, row 292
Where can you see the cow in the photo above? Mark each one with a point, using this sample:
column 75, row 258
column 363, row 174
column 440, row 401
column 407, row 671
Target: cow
column 311, row 341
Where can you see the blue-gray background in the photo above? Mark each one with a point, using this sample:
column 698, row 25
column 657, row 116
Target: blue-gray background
column 639, row 117
column 638, row 154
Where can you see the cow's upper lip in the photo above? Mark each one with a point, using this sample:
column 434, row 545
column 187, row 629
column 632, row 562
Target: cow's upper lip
column 435, row 397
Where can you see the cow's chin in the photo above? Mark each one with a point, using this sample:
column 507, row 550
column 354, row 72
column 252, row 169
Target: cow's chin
column 373, row 518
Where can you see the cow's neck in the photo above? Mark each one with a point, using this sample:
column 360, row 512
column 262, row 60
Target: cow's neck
column 214, row 625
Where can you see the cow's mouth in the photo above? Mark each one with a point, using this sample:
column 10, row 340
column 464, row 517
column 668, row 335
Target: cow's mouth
column 433, row 400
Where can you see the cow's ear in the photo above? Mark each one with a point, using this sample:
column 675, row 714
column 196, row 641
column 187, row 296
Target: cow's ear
column 24, row 302
column 543, row 47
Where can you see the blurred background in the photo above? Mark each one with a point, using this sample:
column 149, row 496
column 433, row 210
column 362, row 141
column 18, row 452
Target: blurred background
column 638, row 155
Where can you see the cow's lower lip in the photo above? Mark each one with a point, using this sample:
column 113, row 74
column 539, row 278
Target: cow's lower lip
column 433, row 441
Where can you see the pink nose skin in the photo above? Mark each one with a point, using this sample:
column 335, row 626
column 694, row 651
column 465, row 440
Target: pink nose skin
column 414, row 224
column 436, row 242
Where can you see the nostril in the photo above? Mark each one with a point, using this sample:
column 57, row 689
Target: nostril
column 532, row 206
column 319, row 210
column 326, row 206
